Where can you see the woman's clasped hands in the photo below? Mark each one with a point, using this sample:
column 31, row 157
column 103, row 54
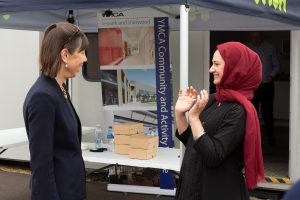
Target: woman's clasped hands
column 192, row 102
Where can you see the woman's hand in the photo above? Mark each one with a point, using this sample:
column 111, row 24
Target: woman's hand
column 202, row 99
column 185, row 102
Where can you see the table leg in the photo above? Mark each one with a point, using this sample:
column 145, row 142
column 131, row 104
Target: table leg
column 2, row 151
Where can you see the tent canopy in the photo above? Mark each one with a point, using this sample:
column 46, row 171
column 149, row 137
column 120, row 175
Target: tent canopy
column 36, row 14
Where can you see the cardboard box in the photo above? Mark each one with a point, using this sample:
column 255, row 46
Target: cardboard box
column 128, row 128
column 143, row 154
column 142, row 141
column 122, row 149
column 122, row 139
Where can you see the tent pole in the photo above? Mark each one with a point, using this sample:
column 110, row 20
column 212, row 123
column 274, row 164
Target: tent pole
column 294, row 147
column 183, row 47
column 184, row 41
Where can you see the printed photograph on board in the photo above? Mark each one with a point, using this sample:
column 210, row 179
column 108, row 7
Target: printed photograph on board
column 129, row 88
column 126, row 48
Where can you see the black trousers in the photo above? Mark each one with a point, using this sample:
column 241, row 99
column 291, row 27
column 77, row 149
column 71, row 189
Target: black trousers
column 264, row 99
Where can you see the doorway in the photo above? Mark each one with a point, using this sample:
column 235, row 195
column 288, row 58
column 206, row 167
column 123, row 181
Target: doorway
column 276, row 158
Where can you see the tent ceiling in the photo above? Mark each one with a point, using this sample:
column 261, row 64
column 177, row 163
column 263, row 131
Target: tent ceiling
column 204, row 15
column 8, row 6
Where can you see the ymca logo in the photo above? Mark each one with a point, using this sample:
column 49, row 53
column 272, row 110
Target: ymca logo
column 109, row 13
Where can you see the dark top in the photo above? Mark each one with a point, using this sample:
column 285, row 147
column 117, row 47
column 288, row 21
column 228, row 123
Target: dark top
column 54, row 133
column 293, row 193
column 212, row 165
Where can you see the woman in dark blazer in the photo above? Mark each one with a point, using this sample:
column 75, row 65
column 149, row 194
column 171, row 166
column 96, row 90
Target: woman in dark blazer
column 52, row 125
column 222, row 134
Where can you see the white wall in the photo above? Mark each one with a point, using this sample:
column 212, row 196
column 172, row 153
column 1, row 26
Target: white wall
column 87, row 100
column 198, row 62
column 18, row 70
column 198, row 59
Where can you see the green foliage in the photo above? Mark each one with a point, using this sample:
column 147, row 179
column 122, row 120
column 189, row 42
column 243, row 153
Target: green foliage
column 276, row 4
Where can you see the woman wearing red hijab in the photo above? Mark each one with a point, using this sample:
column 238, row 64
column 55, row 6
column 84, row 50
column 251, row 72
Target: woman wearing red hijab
column 225, row 140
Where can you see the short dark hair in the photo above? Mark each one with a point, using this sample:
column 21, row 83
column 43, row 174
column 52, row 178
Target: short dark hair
column 57, row 37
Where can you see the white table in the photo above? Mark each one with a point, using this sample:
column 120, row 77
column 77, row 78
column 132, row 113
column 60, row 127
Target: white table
column 167, row 159
column 18, row 136
column 13, row 137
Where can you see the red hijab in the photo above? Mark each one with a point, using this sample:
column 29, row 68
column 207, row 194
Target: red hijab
column 242, row 75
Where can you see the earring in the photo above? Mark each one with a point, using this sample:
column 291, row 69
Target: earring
column 66, row 65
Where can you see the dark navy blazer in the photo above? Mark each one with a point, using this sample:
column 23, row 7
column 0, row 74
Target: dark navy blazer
column 293, row 193
column 54, row 133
